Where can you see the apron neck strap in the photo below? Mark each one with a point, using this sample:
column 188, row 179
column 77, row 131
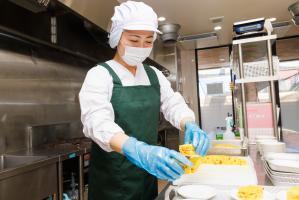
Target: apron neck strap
column 115, row 78
column 151, row 74
column 149, row 71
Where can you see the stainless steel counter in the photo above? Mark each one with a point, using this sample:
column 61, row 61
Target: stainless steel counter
column 37, row 169
column 28, row 177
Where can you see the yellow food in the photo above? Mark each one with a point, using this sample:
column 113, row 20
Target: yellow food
column 196, row 161
column 223, row 160
column 293, row 193
column 188, row 150
column 229, row 146
column 251, row 192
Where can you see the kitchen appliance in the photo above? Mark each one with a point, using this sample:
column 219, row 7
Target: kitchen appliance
column 74, row 154
column 249, row 26
column 252, row 28
column 73, row 165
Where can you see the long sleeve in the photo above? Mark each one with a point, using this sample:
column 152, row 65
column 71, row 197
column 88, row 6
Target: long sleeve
column 173, row 105
column 97, row 114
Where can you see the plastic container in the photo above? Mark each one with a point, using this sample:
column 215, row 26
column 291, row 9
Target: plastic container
column 229, row 121
column 270, row 147
column 219, row 134
column 228, row 135
column 226, row 147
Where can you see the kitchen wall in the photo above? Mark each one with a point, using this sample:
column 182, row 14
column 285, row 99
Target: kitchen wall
column 40, row 80
column 167, row 56
column 181, row 65
column 188, row 82
column 38, row 86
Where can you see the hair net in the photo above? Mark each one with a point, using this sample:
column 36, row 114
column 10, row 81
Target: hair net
column 132, row 15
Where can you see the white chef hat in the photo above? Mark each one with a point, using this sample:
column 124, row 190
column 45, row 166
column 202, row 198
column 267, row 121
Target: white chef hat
column 132, row 15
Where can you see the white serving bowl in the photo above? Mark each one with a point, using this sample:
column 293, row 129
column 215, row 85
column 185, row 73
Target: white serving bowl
column 272, row 146
column 264, row 137
column 259, row 142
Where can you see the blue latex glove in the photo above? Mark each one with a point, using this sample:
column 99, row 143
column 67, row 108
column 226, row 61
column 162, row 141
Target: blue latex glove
column 158, row 161
column 197, row 137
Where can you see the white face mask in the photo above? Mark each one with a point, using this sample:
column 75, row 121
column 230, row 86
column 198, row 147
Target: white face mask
column 135, row 55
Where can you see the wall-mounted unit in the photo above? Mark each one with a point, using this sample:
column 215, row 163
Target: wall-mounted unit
column 33, row 5
column 170, row 33
column 199, row 40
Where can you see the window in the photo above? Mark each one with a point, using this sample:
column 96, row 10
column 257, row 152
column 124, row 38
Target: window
column 214, row 88
column 213, row 83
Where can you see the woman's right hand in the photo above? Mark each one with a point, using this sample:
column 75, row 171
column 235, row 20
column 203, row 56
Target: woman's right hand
column 158, row 161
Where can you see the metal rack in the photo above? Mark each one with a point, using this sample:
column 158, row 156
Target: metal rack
column 237, row 63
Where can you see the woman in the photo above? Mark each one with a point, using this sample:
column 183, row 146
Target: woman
column 120, row 104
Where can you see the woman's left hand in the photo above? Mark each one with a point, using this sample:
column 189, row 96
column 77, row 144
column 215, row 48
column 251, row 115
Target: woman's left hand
column 197, row 137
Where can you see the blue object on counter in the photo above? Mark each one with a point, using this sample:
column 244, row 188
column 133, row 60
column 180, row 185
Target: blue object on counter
column 65, row 197
column 254, row 26
column 72, row 155
column 293, row 150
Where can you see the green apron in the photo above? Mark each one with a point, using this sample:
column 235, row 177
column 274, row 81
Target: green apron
column 112, row 175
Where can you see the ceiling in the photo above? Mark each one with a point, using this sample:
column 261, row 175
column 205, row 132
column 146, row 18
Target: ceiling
column 97, row 11
column 194, row 15
column 286, row 50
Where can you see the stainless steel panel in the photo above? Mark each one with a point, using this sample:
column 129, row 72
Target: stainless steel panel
column 36, row 91
column 13, row 161
column 34, row 184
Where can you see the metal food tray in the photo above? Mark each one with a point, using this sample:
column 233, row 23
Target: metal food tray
column 241, row 151
column 209, row 174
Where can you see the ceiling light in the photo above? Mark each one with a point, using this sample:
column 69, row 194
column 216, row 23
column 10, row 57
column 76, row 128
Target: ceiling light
column 161, row 19
column 217, row 28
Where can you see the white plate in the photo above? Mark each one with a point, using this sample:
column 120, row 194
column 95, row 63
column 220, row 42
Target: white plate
column 282, row 156
column 282, row 195
column 284, row 165
column 196, row 192
column 267, row 195
column 280, row 174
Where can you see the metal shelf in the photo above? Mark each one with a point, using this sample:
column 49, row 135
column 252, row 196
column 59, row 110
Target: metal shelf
column 255, row 39
column 238, row 67
column 257, row 79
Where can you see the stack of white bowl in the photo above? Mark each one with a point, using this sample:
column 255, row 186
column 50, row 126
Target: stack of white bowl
column 267, row 144
column 282, row 168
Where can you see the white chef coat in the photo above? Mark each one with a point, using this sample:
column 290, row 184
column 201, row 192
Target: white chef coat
column 97, row 113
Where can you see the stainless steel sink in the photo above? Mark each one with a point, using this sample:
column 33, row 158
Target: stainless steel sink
column 12, row 161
